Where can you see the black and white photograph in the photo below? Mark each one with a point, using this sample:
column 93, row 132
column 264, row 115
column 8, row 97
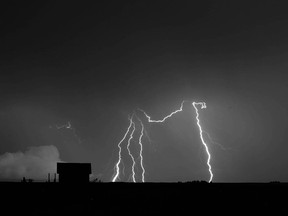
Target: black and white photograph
column 143, row 107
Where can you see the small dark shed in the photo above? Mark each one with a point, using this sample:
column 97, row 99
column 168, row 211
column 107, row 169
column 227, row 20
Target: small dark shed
column 74, row 172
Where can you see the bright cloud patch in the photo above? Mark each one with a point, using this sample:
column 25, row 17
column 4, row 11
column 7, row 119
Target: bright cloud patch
column 34, row 163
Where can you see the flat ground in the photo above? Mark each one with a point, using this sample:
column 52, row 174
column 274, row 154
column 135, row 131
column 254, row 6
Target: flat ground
column 131, row 198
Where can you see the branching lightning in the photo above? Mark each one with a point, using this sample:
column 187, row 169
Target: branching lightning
column 117, row 168
column 210, row 140
column 203, row 105
column 166, row 117
column 132, row 125
column 128, row 145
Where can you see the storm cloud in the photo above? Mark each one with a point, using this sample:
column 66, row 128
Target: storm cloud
column 34, row 163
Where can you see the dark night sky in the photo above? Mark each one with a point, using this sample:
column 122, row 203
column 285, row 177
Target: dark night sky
column 93, row 63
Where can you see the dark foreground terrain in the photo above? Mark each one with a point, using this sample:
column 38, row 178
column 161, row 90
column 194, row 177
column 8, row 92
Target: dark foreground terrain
column 134, row 199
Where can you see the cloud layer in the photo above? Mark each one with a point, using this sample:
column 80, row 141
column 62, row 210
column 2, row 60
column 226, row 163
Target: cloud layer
column 34, row 163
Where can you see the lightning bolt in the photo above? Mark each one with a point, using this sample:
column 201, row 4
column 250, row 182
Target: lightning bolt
column 117, row 168
column 141, row 148
column 128, row 145
column 203, row 106
column 166, row 117
column 133, row 125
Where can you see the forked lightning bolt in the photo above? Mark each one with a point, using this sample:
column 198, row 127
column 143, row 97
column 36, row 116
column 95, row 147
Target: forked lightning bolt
column 128, row 145
column 132, row 124
column 166, row 117
column 203, row 105
column 117, row 168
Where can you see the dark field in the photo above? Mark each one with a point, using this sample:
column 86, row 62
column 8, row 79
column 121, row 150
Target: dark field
column 129, row 198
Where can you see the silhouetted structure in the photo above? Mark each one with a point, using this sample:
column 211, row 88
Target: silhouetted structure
column 74, row 172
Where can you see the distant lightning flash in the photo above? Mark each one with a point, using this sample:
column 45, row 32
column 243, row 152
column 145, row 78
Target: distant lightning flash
column 203, row 106
column 69, row 127
column 66, row 126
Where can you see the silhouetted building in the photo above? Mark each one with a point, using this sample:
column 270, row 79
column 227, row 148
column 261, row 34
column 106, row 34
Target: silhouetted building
column 74, row 172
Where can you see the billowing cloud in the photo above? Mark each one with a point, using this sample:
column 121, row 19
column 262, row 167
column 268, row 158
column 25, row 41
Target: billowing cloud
column 34, row 163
